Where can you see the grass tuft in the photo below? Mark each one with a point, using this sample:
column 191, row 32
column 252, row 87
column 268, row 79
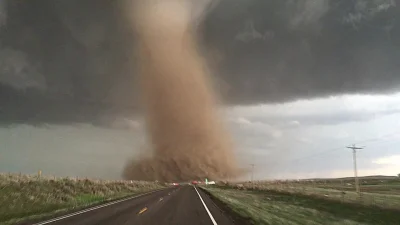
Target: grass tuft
column 24, row 196
column 264, row 207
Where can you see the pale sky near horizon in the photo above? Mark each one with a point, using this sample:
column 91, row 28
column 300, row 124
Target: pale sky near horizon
column 301, row 139
column 307, row 138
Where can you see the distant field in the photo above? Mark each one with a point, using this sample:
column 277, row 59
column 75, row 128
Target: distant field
column 23, row 196
column 371, row 184
column 375, row 188
column 376, row 193
column 274, row 207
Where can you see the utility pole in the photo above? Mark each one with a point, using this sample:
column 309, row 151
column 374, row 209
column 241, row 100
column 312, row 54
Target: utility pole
column 252, row 174
column 354, row 148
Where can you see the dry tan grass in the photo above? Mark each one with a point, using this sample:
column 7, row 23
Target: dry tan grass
column 390, row 201
column 272, row 207
column 22, row 196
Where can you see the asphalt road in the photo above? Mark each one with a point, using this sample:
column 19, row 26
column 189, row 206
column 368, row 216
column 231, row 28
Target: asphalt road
column 185, row 205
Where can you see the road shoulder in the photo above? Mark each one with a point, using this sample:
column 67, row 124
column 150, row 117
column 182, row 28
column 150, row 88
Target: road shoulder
column 66, row 212
column 219, row 207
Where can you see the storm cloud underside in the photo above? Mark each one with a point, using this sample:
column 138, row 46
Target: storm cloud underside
column 71, row 61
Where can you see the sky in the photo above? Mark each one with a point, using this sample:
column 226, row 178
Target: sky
column 68, row 61
column 65, row 110
column 307, row 138
column 300, row 139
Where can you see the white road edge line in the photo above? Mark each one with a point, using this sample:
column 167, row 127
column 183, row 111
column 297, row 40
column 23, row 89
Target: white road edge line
column 204, row 204
column 91, row 209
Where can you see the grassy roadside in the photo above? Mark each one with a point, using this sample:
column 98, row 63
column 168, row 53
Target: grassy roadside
column 24, row 197
column 269, row 207
column 329, row 192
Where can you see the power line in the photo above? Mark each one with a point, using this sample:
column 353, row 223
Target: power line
column 382, row 151
column 377, row 139
column 318, row 154
column 252, row 174
column 382, row 143
column 373, row 140
column 354, row 148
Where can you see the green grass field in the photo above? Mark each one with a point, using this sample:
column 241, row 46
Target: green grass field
column 393, row 189
column 383, row 192
column 25, row 197
column 365, row 198
column 273, row 207
column 372, row 184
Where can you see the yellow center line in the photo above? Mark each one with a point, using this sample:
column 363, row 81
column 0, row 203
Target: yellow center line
column 142, row 211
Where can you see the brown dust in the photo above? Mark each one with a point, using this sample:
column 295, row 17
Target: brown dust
column 187, row 138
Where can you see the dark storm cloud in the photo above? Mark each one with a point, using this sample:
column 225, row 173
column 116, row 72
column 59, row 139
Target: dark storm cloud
column 3, row 13
column 71, row 61
column 280, row 50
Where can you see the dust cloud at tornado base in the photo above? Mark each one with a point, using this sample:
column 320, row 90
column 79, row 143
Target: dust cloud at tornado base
column 186, row 136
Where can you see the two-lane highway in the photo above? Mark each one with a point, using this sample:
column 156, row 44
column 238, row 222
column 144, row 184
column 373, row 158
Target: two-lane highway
column 178, row 206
